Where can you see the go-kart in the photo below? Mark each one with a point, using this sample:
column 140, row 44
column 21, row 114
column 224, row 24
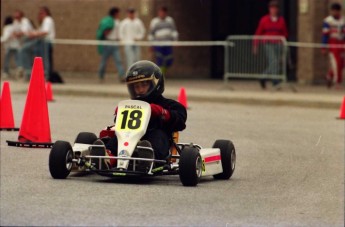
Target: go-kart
column 189, row 161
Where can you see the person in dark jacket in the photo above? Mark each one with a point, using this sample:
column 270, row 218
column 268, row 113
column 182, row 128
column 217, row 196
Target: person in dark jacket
column 145, row 82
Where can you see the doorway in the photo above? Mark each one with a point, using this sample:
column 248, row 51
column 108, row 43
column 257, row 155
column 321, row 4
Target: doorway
column 241, row 17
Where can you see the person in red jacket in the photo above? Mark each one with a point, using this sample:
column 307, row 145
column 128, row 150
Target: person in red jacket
column 271, row 25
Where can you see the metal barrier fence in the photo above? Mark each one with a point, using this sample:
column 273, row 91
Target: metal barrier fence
column 257, row 57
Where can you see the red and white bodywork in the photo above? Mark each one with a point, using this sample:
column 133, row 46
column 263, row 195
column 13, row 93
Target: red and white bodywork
column 211, row 160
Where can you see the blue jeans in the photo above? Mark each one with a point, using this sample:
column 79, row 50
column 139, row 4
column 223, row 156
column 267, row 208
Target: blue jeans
column 132, row 54
column 109, row 51
column 26, row 55
column 8, row 54
column 273, row 56
column 33, row 48
column 164, row 55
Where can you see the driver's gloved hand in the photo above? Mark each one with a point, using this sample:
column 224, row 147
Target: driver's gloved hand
column 159, row 112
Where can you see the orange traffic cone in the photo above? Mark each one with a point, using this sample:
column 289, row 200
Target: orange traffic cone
column 35, row 129
column 49, row 92
column 182, row 97
column 6, row 111
column 342, row 110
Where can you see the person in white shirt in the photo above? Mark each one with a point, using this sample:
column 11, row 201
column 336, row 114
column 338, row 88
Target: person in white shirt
column 109, row 30
column 23, row 25
column 43, row 37
column 10, row 43
column 47, row 32
column 162, row 28
column 22, row 28
column 131, row 29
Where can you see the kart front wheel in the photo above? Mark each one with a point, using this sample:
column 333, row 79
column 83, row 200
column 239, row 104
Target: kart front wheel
column 190, row 166
column 86, row 138
column 228, row 155
column 60, row 160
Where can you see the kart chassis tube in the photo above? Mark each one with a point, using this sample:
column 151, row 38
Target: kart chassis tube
column 121, row 171
column 123, row 158
column 179, row 147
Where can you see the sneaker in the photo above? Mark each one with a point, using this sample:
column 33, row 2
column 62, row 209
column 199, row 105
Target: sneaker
column 19, row 73
column 338, row 86
column 263, row 84
column 144, row 166
column 101, row 151
column 329, row 83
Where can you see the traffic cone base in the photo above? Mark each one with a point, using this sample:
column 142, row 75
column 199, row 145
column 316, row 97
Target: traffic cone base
column 9, row 129
column 6, row 111
column 29, row 144
column 342, row 111
column 35, row 128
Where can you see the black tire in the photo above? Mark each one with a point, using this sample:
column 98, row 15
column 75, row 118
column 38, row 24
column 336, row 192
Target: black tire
column 60, row 160
column 190, row 166
column 86, row 138
column 228, row 155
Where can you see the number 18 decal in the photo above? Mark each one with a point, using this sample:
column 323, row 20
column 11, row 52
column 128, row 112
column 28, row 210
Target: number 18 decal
column 130, row 119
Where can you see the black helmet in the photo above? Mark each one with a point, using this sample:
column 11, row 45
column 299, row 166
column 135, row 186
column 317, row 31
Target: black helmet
column 336, row 6
column 145, row 81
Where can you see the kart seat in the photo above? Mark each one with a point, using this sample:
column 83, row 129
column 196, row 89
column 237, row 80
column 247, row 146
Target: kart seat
column 173, row 150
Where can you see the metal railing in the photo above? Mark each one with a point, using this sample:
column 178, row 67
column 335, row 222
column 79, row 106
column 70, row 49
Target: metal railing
column 257, row 57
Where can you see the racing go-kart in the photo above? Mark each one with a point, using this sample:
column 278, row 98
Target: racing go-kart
column 189, row 161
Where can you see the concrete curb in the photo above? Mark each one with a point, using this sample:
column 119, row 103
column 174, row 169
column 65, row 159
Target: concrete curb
column 323, row 104
column 246, row 93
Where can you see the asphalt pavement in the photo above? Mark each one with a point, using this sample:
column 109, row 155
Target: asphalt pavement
column 290, row 168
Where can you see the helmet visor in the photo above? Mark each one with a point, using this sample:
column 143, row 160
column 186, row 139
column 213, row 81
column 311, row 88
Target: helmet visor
column 140, row 89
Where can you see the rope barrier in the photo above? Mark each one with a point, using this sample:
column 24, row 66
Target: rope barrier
column 181, row 43
column 138, row 43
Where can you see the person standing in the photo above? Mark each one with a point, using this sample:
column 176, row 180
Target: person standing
column 42, row 39
column 162, row 28
column 333, row 33
column 131, row 29
column 22, row 27
column 109, row 30
column 271, row 25
column 47, row 32
column 11, row 45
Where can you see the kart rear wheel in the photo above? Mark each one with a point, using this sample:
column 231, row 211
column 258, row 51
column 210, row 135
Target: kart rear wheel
column 190, row 166
column 228, row 155
column 86, row 138
column 60, row 160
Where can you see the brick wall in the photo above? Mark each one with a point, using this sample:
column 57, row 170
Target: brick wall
column 78, row 19
column 312, row 66
column 306, row 33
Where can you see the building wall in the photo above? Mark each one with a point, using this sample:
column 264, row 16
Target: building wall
column 78, row 19
column 193, row 21
column 312, row 65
